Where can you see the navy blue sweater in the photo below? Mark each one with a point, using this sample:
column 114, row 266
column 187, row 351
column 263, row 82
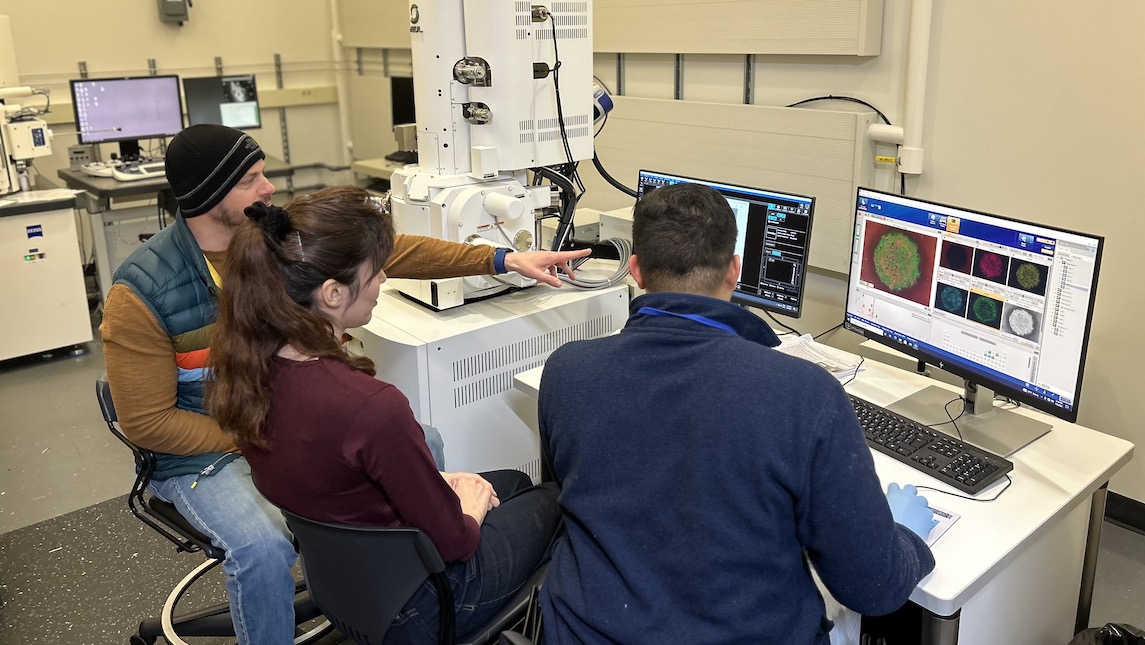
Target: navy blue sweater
column 700, row 470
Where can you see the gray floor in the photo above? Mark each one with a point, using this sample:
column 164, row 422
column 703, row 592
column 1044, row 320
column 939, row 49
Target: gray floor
column 57, row 457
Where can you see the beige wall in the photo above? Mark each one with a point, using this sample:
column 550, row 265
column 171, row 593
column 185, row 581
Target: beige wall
column 51, row 37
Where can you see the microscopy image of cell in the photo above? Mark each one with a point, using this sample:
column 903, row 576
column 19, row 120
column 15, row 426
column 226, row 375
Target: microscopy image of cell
column 1022, row 322
column 897, row 261
column 1029, row 276
column 956, row 256
column 985, row 310
column 992, row 266
column 950, row 299
column 900, row 263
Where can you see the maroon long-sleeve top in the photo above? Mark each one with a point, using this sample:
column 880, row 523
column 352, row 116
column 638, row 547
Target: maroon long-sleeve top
column 345, row 448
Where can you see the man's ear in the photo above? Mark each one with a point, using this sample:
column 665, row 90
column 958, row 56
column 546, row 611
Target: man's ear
column 731, row 278
column 635, row 272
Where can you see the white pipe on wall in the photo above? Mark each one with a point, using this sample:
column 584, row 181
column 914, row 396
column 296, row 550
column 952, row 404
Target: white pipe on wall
column 340, row 86
column 918, row 54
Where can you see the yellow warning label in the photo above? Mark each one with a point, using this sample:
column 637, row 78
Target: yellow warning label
column 884, row 159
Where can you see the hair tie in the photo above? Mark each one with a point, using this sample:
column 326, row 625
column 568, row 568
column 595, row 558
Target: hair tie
column 273, row 219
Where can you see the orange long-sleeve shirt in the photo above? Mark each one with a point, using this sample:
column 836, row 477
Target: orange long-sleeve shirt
column 140, row 357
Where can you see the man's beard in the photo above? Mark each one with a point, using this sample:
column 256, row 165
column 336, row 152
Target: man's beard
column 232, row 218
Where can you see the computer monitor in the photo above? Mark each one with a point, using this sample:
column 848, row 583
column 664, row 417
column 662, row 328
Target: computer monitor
column 402, row 100
column 1005, row 304
column 223, row 100
column 125, row 110
column 773, row 240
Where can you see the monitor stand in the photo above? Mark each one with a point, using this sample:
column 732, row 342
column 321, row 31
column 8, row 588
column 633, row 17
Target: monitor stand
column 1002, row 432
column 129, row 150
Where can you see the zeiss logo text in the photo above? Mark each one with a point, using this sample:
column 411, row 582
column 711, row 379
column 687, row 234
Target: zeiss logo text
column 35, row 231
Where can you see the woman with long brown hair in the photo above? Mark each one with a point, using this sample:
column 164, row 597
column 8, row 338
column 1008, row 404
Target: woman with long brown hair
column 327, row 441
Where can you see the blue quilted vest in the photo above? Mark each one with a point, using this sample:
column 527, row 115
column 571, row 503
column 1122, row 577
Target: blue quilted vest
column 170, row 275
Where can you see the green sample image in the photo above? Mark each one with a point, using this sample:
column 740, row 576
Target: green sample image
column 897, row 261
column 985, row 310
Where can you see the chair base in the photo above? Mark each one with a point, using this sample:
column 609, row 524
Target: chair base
column 216, row 620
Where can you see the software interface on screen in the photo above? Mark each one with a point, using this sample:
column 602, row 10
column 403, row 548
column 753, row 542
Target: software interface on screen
column 127, row 109
column 773, row 239
column 993, row 298
column 223, row 100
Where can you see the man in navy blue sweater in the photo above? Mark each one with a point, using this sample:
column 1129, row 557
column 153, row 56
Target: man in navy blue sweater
column 702, row 471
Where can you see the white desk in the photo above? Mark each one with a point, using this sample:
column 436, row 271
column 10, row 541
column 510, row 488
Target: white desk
column 1017, row 570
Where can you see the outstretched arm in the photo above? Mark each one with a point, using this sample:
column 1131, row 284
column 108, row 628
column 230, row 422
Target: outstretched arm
column 542, row 266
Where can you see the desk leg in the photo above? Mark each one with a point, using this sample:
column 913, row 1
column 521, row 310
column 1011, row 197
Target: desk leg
column 939, row 630
column 1089, row 564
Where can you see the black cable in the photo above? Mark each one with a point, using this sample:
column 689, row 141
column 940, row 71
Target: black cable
column 1009, row 482
column 556, row 71
column 609, row 178
column 564, row 228
column 953, row 419
column 862, row 359
column 851, row 99
column 824, row 333
column 776, row 321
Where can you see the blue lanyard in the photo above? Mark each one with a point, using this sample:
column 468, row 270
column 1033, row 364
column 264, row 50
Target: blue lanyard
column 649, row 311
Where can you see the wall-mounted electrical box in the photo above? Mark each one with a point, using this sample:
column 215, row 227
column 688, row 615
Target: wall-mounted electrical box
column 174, row 11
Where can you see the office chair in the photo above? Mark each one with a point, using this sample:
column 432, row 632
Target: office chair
column 166, row 520
column 361, row 577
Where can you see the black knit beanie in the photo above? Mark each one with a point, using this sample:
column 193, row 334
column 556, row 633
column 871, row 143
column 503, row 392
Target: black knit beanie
column 204, row 162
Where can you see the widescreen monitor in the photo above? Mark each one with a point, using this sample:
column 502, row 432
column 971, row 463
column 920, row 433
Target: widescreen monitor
column 1003, row 303
column 126, row 110
column 773, row 240
column 223, row 100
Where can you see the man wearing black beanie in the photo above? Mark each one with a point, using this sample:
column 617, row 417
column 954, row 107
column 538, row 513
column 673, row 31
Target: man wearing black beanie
column 157, row 324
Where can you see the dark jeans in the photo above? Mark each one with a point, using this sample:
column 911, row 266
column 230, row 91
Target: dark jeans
column 515, row 540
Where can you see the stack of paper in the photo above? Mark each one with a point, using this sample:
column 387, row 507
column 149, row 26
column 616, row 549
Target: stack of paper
column 843, row 365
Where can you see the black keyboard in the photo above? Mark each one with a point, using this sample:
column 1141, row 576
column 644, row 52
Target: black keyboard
column 961, row 465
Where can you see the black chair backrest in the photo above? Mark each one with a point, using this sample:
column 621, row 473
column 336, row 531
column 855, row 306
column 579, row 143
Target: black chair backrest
column 361, row 577
column 156, row 513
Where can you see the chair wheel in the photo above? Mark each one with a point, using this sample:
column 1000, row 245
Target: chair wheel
column 139, row 640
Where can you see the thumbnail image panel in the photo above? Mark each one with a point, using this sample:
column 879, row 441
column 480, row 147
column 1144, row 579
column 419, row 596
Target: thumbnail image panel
column 992, row 266
column 1022, row 322
column 898, row 262
column 984, row 309
column 951, row 299
column 957, row 257
column 1029, row 276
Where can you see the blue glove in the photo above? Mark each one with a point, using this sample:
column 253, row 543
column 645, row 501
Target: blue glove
column 910, row 509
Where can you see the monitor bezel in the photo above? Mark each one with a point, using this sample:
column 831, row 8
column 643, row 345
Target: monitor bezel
column 747, row 299
column 962, row 368
column 220, row 79
column 75, row 108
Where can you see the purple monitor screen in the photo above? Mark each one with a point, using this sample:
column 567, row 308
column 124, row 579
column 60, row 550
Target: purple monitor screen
column 118, row 109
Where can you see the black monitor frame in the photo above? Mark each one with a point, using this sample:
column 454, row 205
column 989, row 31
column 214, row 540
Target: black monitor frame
column 208, row 96
column 403, row 107
column 782, row 296
column 984, row 234
column 166, row 116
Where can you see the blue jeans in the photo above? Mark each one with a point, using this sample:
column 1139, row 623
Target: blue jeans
column 260, row 587
column 515, row 540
